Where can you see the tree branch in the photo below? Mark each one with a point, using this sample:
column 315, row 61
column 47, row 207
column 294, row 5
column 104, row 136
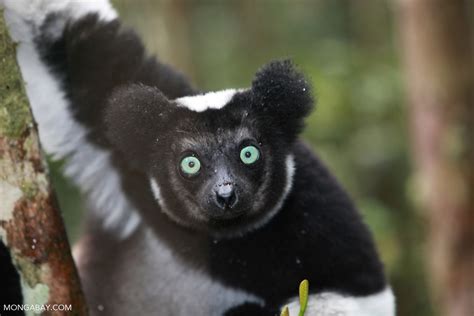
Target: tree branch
column 31, row 226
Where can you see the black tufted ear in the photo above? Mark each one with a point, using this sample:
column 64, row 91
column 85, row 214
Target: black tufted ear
column 134, row 118
column 283, row 96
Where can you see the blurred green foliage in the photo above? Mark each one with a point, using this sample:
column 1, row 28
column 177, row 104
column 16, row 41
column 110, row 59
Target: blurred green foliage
column 349, row 51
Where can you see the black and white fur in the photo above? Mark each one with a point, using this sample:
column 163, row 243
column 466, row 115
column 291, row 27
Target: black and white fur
column 151, row 246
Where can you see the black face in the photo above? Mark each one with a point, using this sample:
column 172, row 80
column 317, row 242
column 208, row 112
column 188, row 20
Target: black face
column 221, row 170
column 218, row 174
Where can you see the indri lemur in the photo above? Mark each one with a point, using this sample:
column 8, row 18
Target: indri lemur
column 199, row 203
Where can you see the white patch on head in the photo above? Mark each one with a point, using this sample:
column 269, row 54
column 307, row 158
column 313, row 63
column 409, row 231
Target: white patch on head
column 61, row 136
column 330, row 303
column 211, row 100
column 290, row 171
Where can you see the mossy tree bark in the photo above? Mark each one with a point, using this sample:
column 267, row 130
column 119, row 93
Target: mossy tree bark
column 31, row 226
column 438, row 53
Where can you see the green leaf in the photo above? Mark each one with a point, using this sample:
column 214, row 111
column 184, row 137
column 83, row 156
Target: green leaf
column 285, row 311
column 304, row 288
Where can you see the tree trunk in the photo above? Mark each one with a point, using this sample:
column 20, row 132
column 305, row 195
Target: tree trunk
column 438, row 54
column 31, row 226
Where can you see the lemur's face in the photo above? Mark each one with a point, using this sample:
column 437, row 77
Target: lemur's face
column 220, row 162
column 217, row 175
column 218, row 171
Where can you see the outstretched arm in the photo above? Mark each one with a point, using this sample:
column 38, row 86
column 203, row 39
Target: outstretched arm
column 72, row 54
column 87, row 52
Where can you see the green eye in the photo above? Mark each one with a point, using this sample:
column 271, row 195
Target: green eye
column 190, row 165
column 249, row 155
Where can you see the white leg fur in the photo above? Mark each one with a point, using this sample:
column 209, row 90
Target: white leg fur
column 61, row 136
column 333, row 304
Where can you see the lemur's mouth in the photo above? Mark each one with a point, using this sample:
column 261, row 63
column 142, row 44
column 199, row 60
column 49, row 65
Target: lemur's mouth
column 228, row 215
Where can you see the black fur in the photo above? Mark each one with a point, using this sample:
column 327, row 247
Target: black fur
column 275, row 87
column 318, row 235
column 249, row 309
column 93, row 58
column 123, row 98
column 10, row 290
column 135, row 114
column 147, row 128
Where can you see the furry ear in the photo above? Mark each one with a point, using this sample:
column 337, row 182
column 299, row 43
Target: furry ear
column 282, row 94
column 134, row 118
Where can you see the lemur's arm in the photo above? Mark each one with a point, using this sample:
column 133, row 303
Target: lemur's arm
column 72, row 54
column 92, row 57
column 85, row 48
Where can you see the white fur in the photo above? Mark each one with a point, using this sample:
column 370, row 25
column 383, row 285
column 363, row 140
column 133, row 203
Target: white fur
column 211, row 297
column 151, row 279
column 334, row 304
column 35, row 11
column 210, row 100
column 155, row 188
column 290, row 171
column 60, row 135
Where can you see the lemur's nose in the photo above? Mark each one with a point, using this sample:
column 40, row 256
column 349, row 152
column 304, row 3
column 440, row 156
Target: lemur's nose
column 225, row 196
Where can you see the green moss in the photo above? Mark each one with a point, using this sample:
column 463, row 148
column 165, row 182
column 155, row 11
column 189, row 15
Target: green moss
column 14, row 111
column 31, row 273
column 29, row 189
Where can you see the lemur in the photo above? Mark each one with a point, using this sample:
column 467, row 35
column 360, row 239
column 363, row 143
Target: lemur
column 199, row 203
